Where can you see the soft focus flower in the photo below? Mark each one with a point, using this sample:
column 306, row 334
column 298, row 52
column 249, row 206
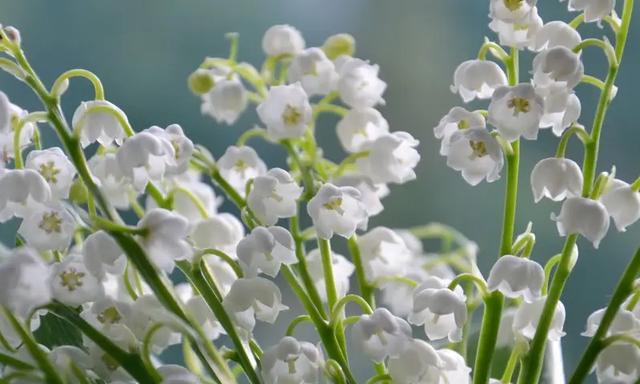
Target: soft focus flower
column 454, row 368
column 181, row 144
column 337, row 210
column 314, row 71
column 54, row 166
column 145, row 157
column 457, row 118
column 476, row 154
column 381, row 334
column 102, row 254
column 292, row 361
column 622, row 203
column 618, row 363
column 370, row 193
column 164, row 239
column 556, row 34
column 516, row 111
column 625, row 321
column 594, row 10
column 226, row 101
column 274, row 196
column 583, row 216
column 285, row 111
column 477, row 79
column 359, row 127
column 111, row 180
column 516, row 277
column 281, row 40
column 98, row 125
column 520, row 33
column 342, row 270
column 238, row 165
column 200, row 310
column 419, row 362
column 48, row 228
column 253, row 298
column 557, row 66
column 562, row 108
column 72, row 283
column 527, row 316
column 510, row 11
column 176, row 374
column 384, row 253
column 556, row 179
column 222, row 231
column 391, row 159
column 23, row 282
column 358, row 84
column 265, row 249
column 23, row 191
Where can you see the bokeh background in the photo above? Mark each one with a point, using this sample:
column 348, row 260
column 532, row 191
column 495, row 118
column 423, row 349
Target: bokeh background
column 143, row 50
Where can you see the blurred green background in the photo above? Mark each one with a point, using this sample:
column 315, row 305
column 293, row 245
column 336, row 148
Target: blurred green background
column 143, row 50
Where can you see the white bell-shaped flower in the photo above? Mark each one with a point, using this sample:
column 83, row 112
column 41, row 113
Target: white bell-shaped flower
column 72, row 283
column 111, row 180
column 23, row 191
column 384, row 253
column 185, row 205
column 594, row 10
column 7, row 132
column 618, row 363
column 454, row 368
column 23, row 283
column 442, row 311
column 48, row 228
column 583, row 216
column 457, row 118
column 562, row 108
column 516, row 277
column 518, row 34
column 253, row 298
column 337, row 210
column 419, row 362
column 476, row 154
column 371, row 193
column 222, row 231
column 625, row 321
column 97, row 125
column 359, row 127
column 181, row 144
column 556, row 178
column 392, row 158
column 200, row 310
column 145, row 157
column 148, row 311
column 106, row 312
column 516, row 111
column 5, row 113
column 55, row 168
column 282, row 40
column 222, row 272
column 285, row 111
column 238, row 165
column 381, row 334
column 177, row 374
column 342, row 271
column 557, row 66
column 265, row 249
column 510, row 11
column 226, row 101
column 274, row 196
column 358, row 84
column 556, row 34
column 292, row 361
column 102, row 254
column 527, row 316
column 164, row 239
column 314, row 71
column 622, row 203
column 477, row 79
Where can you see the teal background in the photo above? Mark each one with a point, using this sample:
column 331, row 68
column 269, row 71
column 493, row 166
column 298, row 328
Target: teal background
column 143, row 50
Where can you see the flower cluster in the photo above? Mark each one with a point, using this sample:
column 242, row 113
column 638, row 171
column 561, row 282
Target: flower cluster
column 187, row 273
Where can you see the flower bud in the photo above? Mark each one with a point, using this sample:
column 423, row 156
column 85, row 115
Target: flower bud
column 583, row 216
column 200, row 81
column 281, row 40
column 338, row 45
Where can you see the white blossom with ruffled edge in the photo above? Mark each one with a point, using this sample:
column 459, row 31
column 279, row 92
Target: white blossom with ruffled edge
column 442, row 311
column 476, row 154
column 102, row 255
column 253, row 298
column 583, row 216
column 557, row 66
column 197, row 307
column 164, row 239
column 342, row 271
column 622, row 203
column 110, row 179
column 23, row 191
column 285, row 111
column 238, row 165
column 314, row 71
column 359, row 127
column 359, row 84
column 519, row 34
column 106, row 312
column 222, row 231
column 419, row 362
column 562, row 108
column 265, row 249
column 282, row 40
column 516, row 111
column 516, row 277
column 274, row 196
column 454, row 368
column 381, row 334
column 556, row 178
column 23, row 283
column 182, row 147
column 384, row 253
column 337, row 210
column 96, row 125
column 72, row 283
column 292, row 361
column 527, row 316
column 226, row 101
column 392, row 158
column 510, row 11
column 176, row 374
column 145, row 157
column 55, row 168
column 594, row 10
column 477, row 79
column 48, row 228
column 148, row 311
column 624, row 321
column 556, row 34
column 618, row 363
column 457, row 118
column 370, row 192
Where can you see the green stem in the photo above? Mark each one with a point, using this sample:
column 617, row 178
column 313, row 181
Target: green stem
column 350, row 298
column 297, row 321
column 577, row 130
column 10, row 361
column 226, row 258
column 366, row 289
column 327, row 267
column 623, row 290
column 475, row 279
column 95, row 81
column 33, row 117
column 488, row 337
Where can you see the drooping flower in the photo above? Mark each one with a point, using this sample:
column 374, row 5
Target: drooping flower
column 265, row 249
column 476, row 154
column 516, row 111
column 359, row 127
column 72, row 283
column 177, row 374
column 145, row 157
column 285, row 111
column 358, row 84
column 226, row 101
column 381, row 334
column 314, row 71
column 622, row 203
column 23, row 191
column 164, row 239
column 594, row 10
column 238, row 165
column 102, row 254
column 292, row 361
column 392, row 158
column 516, row 277
column 556, row 34
column 253, row 298
column 201, row 312
column 222, row 231
column 111, row 180
column 454, row 367
column 54, row 166
column 557, row 67
column 48, row 228
column 181, row 144
column 510, row 11
column 527, row 316
column 625, row 321
column 419, row 362
column 518, row 34
column 556, row 179
column 477, row 79
column 66, row 357
column 562, row 108
column 370, row 193
column 457, row 118
column 23, row 283
column 583, row 216
column 274, row 196
column 337, row 210
column 384, row 253
column 282, row 40
column 94, row 124
column 618, row 363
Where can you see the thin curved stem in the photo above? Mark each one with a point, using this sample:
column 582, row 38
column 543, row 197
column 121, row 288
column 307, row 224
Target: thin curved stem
column 474, row 279
column 577, row 130
column 606, row 47
column 351, row 298
column 60, row 83
column 224, row 257
column 366, row 289
column 297, row 321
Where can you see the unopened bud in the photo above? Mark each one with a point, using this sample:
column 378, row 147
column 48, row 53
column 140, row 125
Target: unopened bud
column 13, row 34
column 200, row 81
column 338, row 45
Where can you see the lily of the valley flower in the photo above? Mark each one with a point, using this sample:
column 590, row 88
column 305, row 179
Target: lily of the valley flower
column 618, row 363
column 54, row 166
column 359, row 127
column 527, row 316
column 282, row 40
column 103, row 255
column 238, row 165
column 48, row 228
column 622, row 203
column 392, row 158
column 518, row 34
column 510, row 11
column 625, row 321
column 583, row 216
column 72, row 283
column 176, row 374
column 556, row 34
column 381, row 334
column 23, row 283
column 274, row 196
column 384, row 253
column 164, row 239
column 97, row 125
column 253, row 298
column 226, row 101
column 476, row 154
column 516, row 111
column 562, row 108
column 457, row 118
column 516, row 277
column 292, row 361
column 182, row 147
column 23, row 191
column 222, row 231
column 370, row 193
column 111, row 180
column 594, row 10
column 557, row 66
column 265, row 249
column 477, row 79
column 337, row 210
column 358, row 84
column 285, row 111
column 556, row 179
column 145, row 157
column 419, row 362
column 454, row 368
column 314, row 71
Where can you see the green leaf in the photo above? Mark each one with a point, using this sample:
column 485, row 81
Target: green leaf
column 55, row 331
